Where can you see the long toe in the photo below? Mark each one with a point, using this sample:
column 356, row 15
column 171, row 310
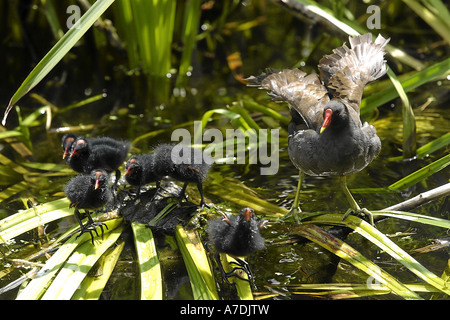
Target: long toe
column 101, row 225
column 295, row 212
column 203, row 204
column 238, row 272
column 89, row 228
column 360, row 212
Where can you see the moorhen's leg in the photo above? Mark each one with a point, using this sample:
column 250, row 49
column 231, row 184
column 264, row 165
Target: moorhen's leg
column 182, row 193
column 225, row 276
column 117, row 179
column 295, row 210
column 200, row 189
column 354, row 207
column 158, row 193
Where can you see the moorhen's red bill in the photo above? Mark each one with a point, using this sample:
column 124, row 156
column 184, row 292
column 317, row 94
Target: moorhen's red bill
column 98, row 153
column 326, row 136
column 189, row 167
column 238, row 236
column 89, row 192
column 140, row 171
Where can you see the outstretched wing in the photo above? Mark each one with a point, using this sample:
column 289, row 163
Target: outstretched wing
column 346, row 72
column 304, row 93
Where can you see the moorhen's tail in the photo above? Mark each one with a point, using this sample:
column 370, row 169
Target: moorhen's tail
column 346, row 72
column 304, row 93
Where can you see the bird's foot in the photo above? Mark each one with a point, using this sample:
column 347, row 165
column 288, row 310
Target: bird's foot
column 91, row 227
column 237, row 271
column 360, row 212
column 241, row 267
column 203, row 205
column 295, row 212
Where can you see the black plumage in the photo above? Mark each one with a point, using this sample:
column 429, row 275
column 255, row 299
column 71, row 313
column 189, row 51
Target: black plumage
column 140, row 171
column 98, row 153
column 184, row 164
column 326, row 135
column 236, row 235
column 89, row 192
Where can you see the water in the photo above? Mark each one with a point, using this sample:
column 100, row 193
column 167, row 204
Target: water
column 287, row 260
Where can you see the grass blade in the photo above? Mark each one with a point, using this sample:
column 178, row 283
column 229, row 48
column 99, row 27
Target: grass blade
column 78, row 265
column 377, row 238
column 421, row 174
column 26, row 220
column 419, row 78
column 150, row 270
column 410, row 216
column 235, row 191
column 57, row 52
column 344, row 251
column 197, row 264
column 92, row 286
column 36, row 288
column 441, row 27
column 409, row 124
column 429, row 148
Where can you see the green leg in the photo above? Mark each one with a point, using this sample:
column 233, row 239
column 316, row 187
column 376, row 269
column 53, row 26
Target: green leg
column 295, row 210
column 354, row 207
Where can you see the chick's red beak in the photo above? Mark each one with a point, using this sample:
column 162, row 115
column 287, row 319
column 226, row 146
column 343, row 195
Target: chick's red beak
column 247, row 214
column 326, row 119
column 97, row 181
column 74, row 152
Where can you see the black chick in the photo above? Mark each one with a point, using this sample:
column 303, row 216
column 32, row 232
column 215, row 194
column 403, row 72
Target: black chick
column 66, row 142
column 89, row 192
column 238, row 236
column 140, row 171
column 184, row 164
column 101, row 152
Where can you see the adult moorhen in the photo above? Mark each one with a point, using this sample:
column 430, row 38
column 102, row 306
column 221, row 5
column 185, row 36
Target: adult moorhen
column 326, row 136
column 89, row 192
column 98, row 153
column 140, row 171
column 184, row 164
column 238, row 236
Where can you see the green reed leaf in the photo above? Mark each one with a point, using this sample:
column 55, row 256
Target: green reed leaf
column 421, row 174
column 197, row 264
column 344, row 251
column 58, row 51
column 149, row 267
